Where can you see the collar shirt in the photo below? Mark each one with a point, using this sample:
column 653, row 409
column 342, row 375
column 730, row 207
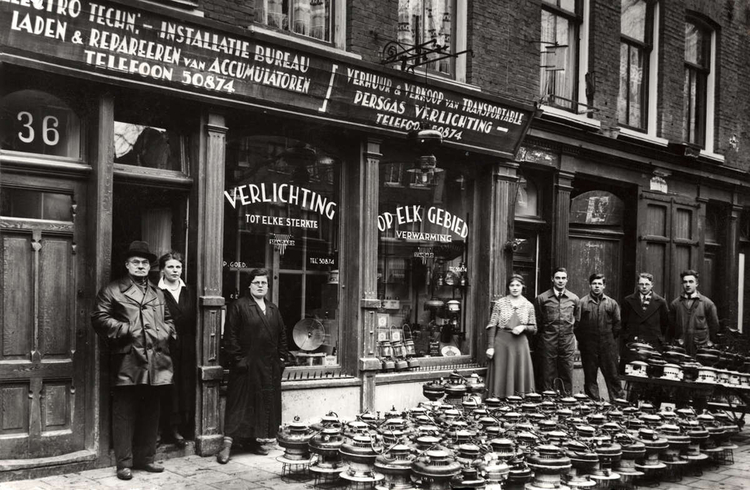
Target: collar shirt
column 554, row 310
column 175, row 294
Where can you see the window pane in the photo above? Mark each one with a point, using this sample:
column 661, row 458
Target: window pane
column 423, row 227
column 558, row 59
column 622, row 98
column 633, row 19
column 636, row 87
column 420, row 21
column 22, row 203
column 311, row 18
column 147, row 146
column 696, row 45
column 281, row 213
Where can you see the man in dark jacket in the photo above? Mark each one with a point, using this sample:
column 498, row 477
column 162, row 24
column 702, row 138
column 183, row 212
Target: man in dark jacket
column 645, row 316
column 596, row 331
column 556, row 312
column 693, row 316
column 131, row 316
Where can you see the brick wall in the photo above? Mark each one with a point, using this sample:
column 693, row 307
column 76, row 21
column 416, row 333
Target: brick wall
column 504, row 35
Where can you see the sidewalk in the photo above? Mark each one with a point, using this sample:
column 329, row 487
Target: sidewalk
column 250, row 472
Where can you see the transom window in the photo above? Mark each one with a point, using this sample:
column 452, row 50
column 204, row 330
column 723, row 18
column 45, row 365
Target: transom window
column 697, row 73
column 635, row 46
column 559, row 52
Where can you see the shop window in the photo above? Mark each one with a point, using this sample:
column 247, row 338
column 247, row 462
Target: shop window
column 148, row 146
column 310, row 18
column 37, row 122
column 698, row 82
column 282, row 211
column 421, row 21
column 635, row 48
column 423, row 280
column 527, row 199
column 561, row 21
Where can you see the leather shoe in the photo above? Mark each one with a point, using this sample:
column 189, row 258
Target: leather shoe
column 258, row 449
column 222, row 457
column 150, row 467
column 124, row 474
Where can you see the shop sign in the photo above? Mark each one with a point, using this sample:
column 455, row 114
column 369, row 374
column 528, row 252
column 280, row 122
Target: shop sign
column 286, row 194
column 118, row 41
column 417, row 214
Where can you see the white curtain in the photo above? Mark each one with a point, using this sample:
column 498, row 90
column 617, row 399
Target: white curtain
column 156, row 229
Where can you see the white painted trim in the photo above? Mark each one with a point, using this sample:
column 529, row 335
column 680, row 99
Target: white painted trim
column 712, row 156
column 338, row 34
column 562, row 114
column 741, row 264
column 645, row 137
column 461, row 41
column 583, row 50
column 653, row 77
column 304, row 41
column 711, row 97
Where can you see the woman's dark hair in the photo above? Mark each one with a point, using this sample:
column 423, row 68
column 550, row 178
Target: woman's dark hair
column 257, row 272
column 516, row 277
column 171, row 255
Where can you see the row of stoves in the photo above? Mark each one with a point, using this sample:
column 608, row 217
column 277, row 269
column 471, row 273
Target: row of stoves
column 709, row 366
column 534, row 442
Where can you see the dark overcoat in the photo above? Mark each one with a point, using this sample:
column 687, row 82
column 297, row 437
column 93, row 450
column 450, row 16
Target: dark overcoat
column 137, row 327
column 183, row 353
column 254, row 344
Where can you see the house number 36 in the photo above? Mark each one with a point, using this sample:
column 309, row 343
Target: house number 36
column 50, row 134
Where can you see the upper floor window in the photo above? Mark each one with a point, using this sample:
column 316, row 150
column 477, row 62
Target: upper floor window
column 635, row 46
column 561, row 21
column 698, row 74
column 311, row 18
column 420, row 21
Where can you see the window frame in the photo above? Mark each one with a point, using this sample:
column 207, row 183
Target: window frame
column 576, row 21
column 458, row 30
column 646, row 47
column 336, row 35
column 700, row 133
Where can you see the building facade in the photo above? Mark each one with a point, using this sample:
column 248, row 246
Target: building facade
column 391, row 163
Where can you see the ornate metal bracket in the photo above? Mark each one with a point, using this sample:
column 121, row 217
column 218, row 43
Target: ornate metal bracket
column 412, row 57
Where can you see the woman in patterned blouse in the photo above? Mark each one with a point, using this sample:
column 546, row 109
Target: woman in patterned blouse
column 510, row 368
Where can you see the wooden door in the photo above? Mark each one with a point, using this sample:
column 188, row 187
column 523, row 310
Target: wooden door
column 595, row 242
column 669, row 241
column 43, row 325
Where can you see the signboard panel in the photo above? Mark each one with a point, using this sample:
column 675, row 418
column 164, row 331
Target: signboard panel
column 134, row 44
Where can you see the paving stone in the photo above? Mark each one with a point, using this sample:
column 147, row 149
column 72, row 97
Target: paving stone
column 26, row 485
column 210, row 476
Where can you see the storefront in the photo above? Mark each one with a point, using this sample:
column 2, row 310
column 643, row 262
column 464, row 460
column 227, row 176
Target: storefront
column 386, row 244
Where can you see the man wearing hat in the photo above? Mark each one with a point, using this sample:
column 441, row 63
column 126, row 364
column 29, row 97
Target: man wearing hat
column 132, row 318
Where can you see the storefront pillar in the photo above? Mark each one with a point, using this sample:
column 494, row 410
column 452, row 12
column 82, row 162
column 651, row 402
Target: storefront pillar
column 505, row 178
column 209, row 209
column 561, row 225
column 100, row 205
column 731, row 284
column 495, row 235
column 368, row 253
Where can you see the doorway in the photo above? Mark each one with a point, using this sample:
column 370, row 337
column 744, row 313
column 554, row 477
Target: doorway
column 45, row 331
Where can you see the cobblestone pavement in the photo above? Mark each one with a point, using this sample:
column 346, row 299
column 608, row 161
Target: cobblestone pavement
column 251, row 472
